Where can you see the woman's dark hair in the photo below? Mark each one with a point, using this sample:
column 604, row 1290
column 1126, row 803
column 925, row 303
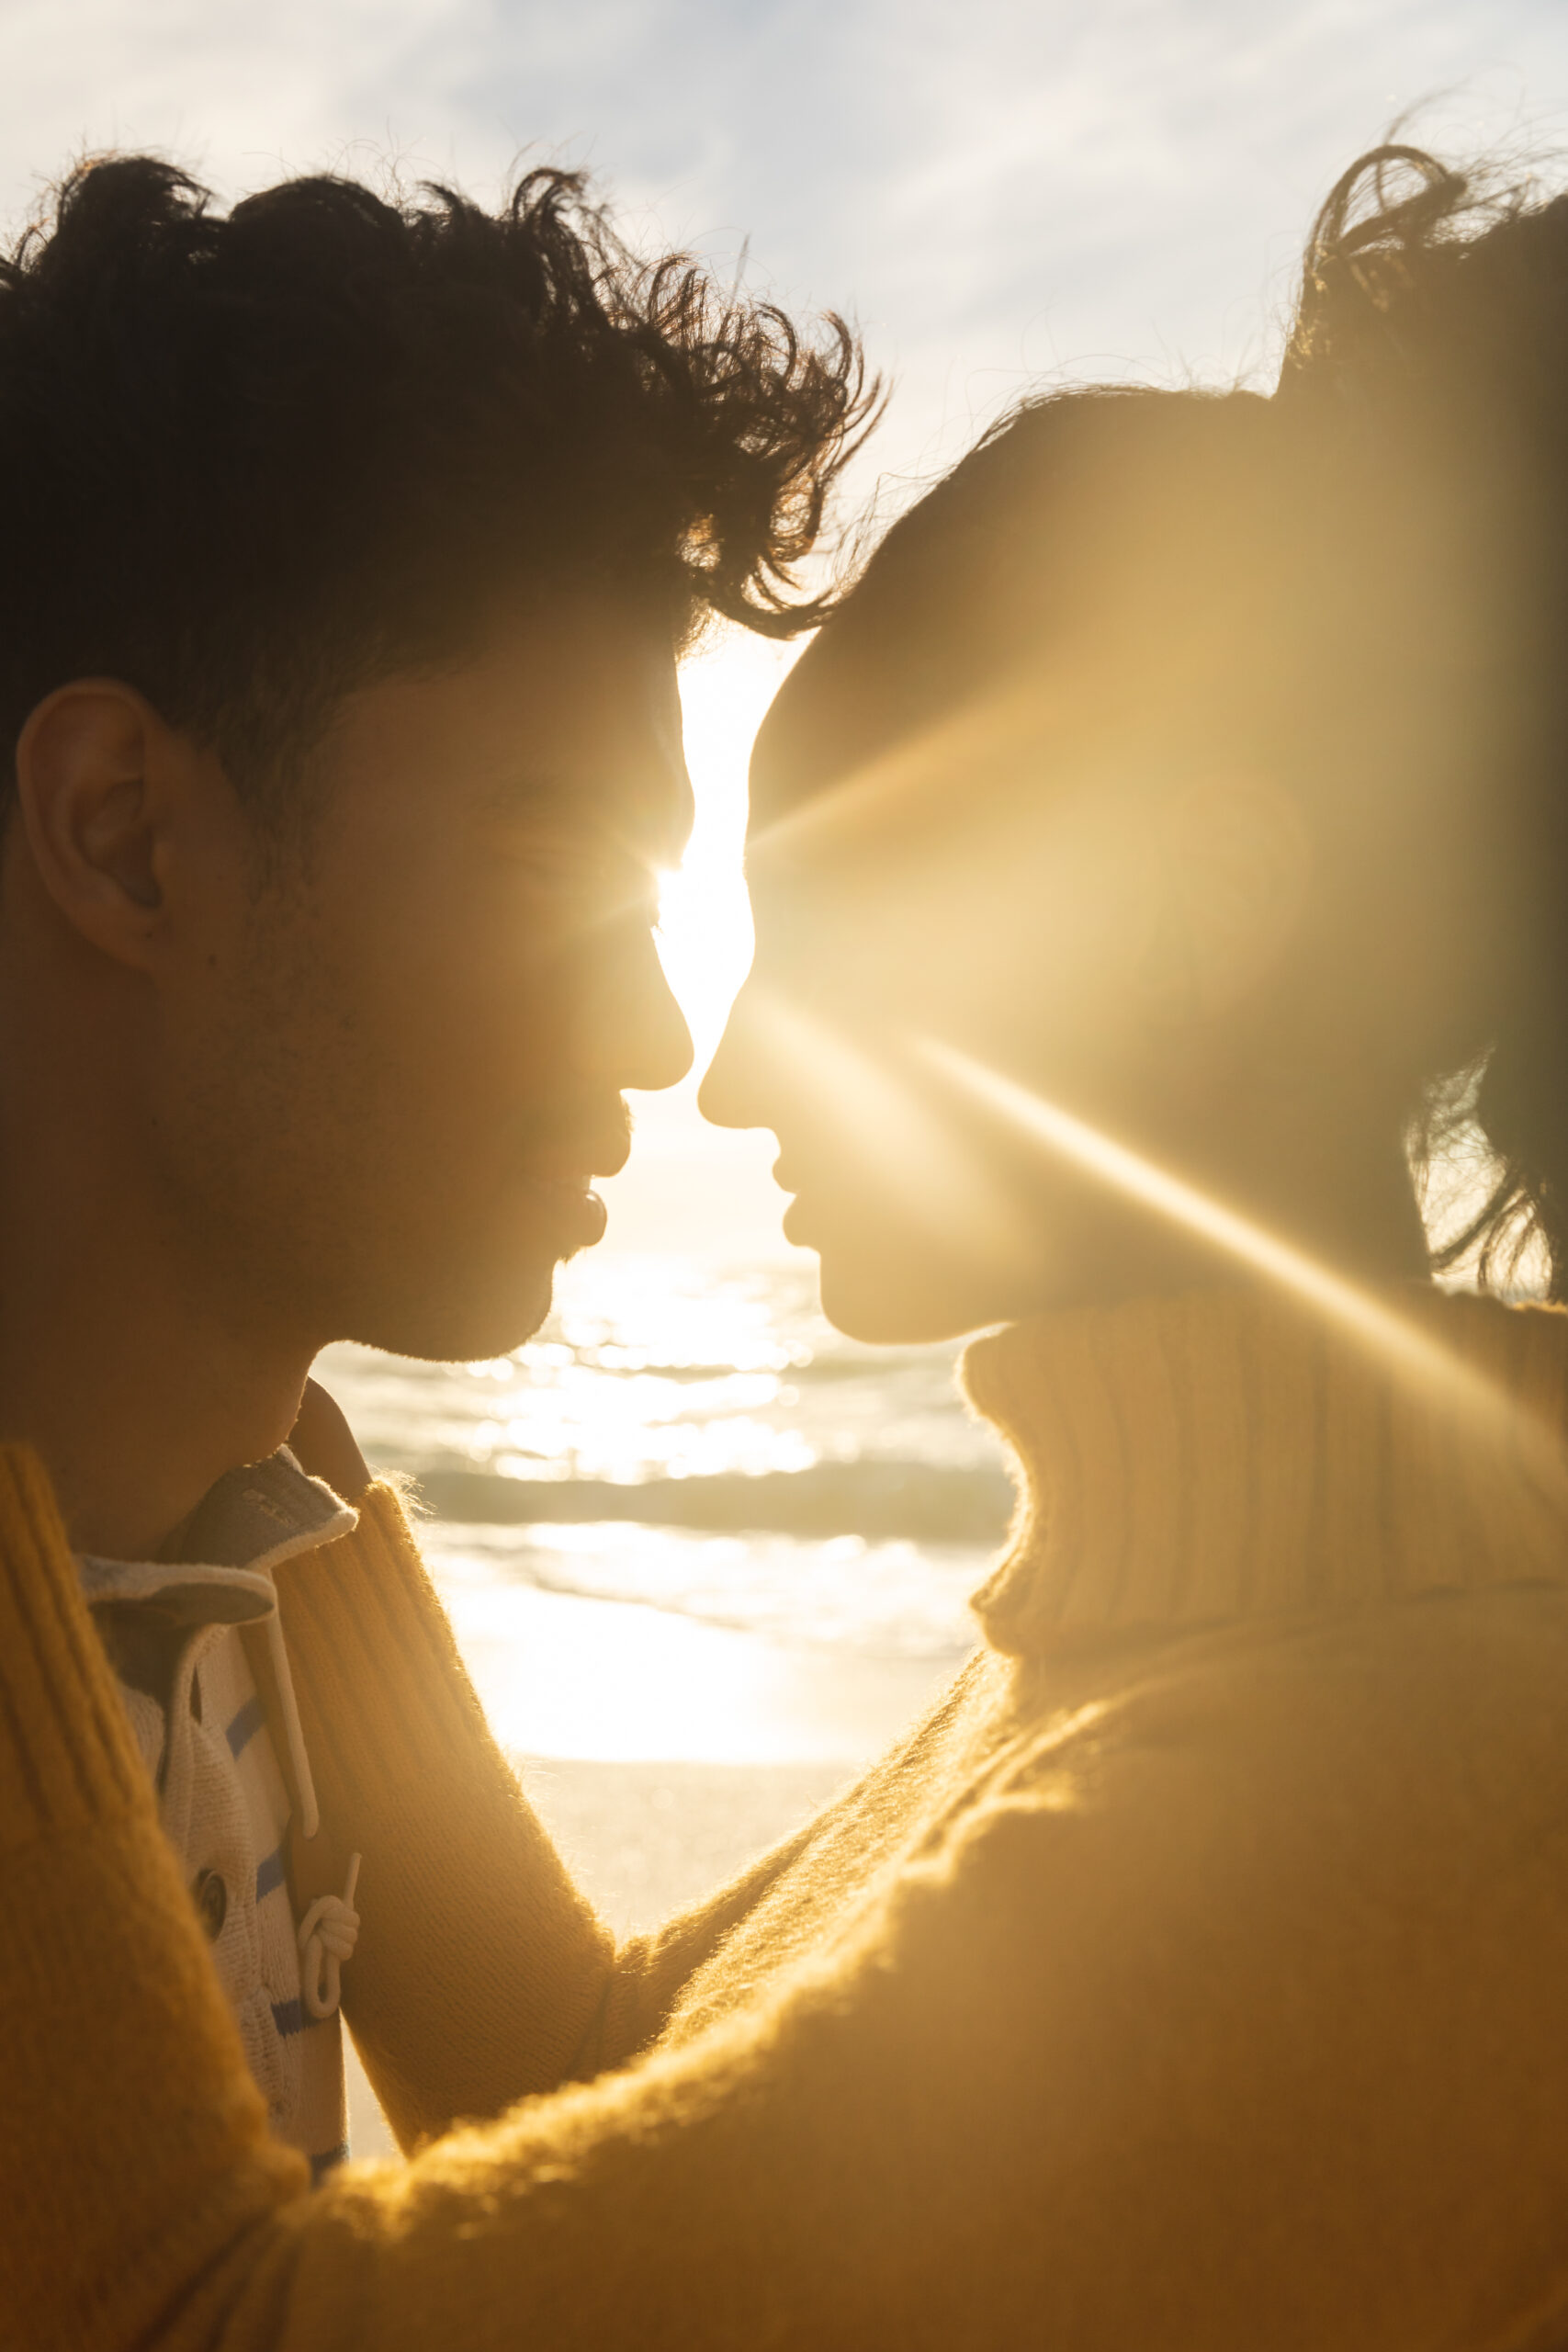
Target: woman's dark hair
column 249, row 462
column 1380, row 547
column 1434, row 311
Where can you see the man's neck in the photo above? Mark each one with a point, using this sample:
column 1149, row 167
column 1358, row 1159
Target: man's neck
column 136, row 1384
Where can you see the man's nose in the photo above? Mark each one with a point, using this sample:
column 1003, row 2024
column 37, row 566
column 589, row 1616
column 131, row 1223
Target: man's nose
column 634, row 1035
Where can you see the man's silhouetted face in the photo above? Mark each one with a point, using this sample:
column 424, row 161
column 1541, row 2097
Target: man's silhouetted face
column 380, row 1106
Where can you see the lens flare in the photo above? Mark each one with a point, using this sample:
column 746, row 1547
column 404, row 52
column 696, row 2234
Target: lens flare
column 987, row 737
column 1403, row 1346
column 883, row 1124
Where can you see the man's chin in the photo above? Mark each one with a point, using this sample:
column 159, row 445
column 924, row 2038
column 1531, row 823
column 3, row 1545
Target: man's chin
column 464, row 1321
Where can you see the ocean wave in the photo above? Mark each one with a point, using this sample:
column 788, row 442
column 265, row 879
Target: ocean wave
column 872, row 1498
column 883, row 1599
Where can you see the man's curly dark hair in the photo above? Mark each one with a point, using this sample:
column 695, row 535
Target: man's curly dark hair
column 251, row 461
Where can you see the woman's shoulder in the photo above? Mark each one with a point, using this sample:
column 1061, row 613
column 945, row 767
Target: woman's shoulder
column 1424, row 1740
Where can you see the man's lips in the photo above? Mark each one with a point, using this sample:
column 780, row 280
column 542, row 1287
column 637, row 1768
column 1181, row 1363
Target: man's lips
column 559, row 1173
column 574, row 1152
column 570, row 1205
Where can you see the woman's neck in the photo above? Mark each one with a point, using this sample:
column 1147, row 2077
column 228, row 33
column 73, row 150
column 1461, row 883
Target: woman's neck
column 1357, row 1218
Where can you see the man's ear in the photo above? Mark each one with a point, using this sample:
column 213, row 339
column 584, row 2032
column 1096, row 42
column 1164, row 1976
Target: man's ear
column 1234, row 866
column 92, row 779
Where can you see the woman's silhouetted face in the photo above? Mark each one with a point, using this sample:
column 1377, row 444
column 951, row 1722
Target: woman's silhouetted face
column 944, row 903
column 1103, row 872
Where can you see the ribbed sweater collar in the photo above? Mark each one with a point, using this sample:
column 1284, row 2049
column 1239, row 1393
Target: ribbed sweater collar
column 1223, row 1454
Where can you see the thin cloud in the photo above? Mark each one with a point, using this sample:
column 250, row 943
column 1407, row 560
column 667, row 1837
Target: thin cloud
column 998, row 193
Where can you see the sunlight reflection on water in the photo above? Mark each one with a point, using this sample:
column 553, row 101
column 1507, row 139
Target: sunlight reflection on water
column 655, row 1367
column 773, row 1634
column 562, row 1675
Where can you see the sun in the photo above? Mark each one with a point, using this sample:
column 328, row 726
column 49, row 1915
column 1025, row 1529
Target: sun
column 689, row 1188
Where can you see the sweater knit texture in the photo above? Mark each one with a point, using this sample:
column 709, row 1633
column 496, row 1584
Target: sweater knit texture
column 1191, row 1975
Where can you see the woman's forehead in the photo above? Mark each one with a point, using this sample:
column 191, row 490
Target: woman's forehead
column 844, row 763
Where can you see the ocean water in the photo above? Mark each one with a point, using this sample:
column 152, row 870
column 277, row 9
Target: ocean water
column 689, row 1519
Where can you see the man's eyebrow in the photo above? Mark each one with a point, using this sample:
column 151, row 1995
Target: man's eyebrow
column 529, row 789
column 651, row 827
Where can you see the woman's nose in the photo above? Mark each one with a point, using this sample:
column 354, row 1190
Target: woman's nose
column 730, row 1095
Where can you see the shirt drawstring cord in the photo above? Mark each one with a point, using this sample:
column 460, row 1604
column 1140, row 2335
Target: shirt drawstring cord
column 328, row 1934
column 330, row 1928
column 294, row 1730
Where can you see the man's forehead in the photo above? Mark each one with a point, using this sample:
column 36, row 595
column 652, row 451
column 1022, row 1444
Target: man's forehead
column 587, row 701
column 593, row 663
column 645, row 808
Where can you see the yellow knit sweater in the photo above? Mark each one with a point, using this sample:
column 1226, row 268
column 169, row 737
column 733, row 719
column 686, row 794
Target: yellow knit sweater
column 1196, row 1975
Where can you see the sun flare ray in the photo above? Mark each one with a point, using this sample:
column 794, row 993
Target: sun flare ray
column 1398, row 1340
column 883, row 1124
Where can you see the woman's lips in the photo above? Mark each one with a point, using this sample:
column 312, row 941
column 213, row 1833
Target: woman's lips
column 797, row 1221
column 794, row 1228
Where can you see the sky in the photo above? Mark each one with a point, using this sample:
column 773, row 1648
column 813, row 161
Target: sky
column 996, row 191
column 997, row 194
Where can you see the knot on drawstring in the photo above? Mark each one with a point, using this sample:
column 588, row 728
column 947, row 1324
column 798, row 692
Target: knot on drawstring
column 328, row 1934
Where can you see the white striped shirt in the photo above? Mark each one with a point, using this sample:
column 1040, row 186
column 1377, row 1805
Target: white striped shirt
column 172, row 1631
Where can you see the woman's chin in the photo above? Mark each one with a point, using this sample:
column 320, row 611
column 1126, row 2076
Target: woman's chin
column 890, row 1300
column 890, row 1282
